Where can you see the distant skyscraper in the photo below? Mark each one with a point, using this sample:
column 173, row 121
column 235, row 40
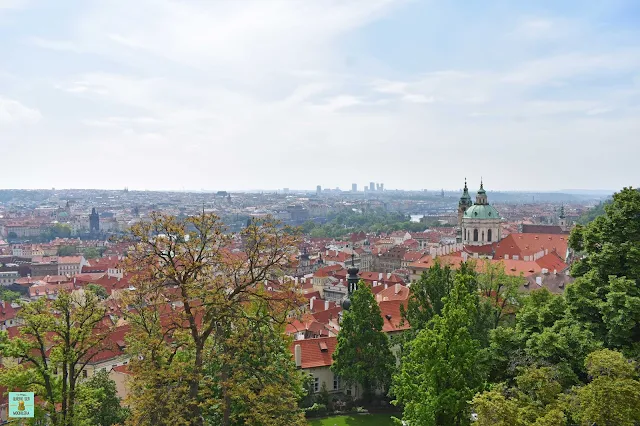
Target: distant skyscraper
column 372, row 186
column 382, row 187
column 285, row 190
column 354, row 187
column 318, row 190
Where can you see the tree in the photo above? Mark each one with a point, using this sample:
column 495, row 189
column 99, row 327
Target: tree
column 67, row 251
column 98, row 290
column 444, row 366
column 535, row 400
column 426, row 295
column 542, row 335
column 8, row 295
column 261, row 379
column 190, row 286
column 613, row 395
column 362, row 355
column 60, row 230
column 611, row 242
column 98, row 402
column 501, row 289
column 62, row 337
column 91, row 253
column 605, row 296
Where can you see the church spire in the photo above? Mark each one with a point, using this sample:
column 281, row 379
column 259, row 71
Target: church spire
column 481, row 197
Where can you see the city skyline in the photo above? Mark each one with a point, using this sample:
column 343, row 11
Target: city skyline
column 226, row 94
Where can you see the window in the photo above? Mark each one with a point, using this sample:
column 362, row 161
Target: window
column 489, row 235
column 336, row 382
column 316, row 384
column 475, row 235
column 84, row 373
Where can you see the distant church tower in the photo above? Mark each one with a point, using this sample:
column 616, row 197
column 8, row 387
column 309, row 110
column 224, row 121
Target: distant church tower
column 562, row 219
column 464, row 203
column 94, row 221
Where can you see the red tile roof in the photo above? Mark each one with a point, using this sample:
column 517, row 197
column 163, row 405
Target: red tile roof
column 393, row 292
column 312, row 353
column 392, row 317
column 552, row 262
column 529, row 244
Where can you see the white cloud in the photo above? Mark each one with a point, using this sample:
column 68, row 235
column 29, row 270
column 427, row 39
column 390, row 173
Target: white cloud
column 12, row 4
column 13, row 112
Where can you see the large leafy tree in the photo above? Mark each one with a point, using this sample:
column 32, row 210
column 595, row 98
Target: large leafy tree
column 542, row 335
column 443, row 368
column 362, row 355
column 57, row 340
column 605, row 296
column 192, row 280
column 533, row 400
column 98, row 401
column 502, row 290
column 426, row 295
column 254, row 364
column 612, row 397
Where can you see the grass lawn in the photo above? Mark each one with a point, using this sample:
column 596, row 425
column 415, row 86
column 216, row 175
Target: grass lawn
column 355, row 420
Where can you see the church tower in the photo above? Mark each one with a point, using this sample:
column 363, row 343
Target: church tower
column 562, row 219
column 94, row 221
column 481, row 223
column 463, row 205
column 481, row 197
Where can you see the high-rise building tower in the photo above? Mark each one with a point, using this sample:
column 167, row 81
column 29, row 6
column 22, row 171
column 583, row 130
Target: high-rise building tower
column 372, row 186
column 354, row 187
column 382, row 187
column 318, row 190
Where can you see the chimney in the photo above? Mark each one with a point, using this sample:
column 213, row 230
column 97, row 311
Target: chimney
column 386, row 286
column 311, row 302
column 388, row 275
column 375, row 283
column 380, row 275
column 326, row 305
column 298, row 355
column 397, row 288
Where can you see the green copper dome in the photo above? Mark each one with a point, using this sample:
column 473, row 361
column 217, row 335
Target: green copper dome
column 482, row 211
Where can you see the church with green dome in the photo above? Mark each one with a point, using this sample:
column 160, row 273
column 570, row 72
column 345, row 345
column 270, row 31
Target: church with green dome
column 478, row 223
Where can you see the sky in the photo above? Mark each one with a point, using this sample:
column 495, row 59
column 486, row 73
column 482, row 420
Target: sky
column 248, row 94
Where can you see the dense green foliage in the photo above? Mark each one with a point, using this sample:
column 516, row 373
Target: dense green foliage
column 362, row 355
column 375, row 221
column 550, row 359
column 443, row 368
column 98, row 401
column 98, row 290
column 67, row 250
column 592, row 213
column 8, row 295
column 355, row 420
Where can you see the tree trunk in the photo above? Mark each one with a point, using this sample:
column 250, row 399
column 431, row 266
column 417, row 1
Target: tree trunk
column 226, row 414
column 194, row 388
column 72, row 396
column 65, row 375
